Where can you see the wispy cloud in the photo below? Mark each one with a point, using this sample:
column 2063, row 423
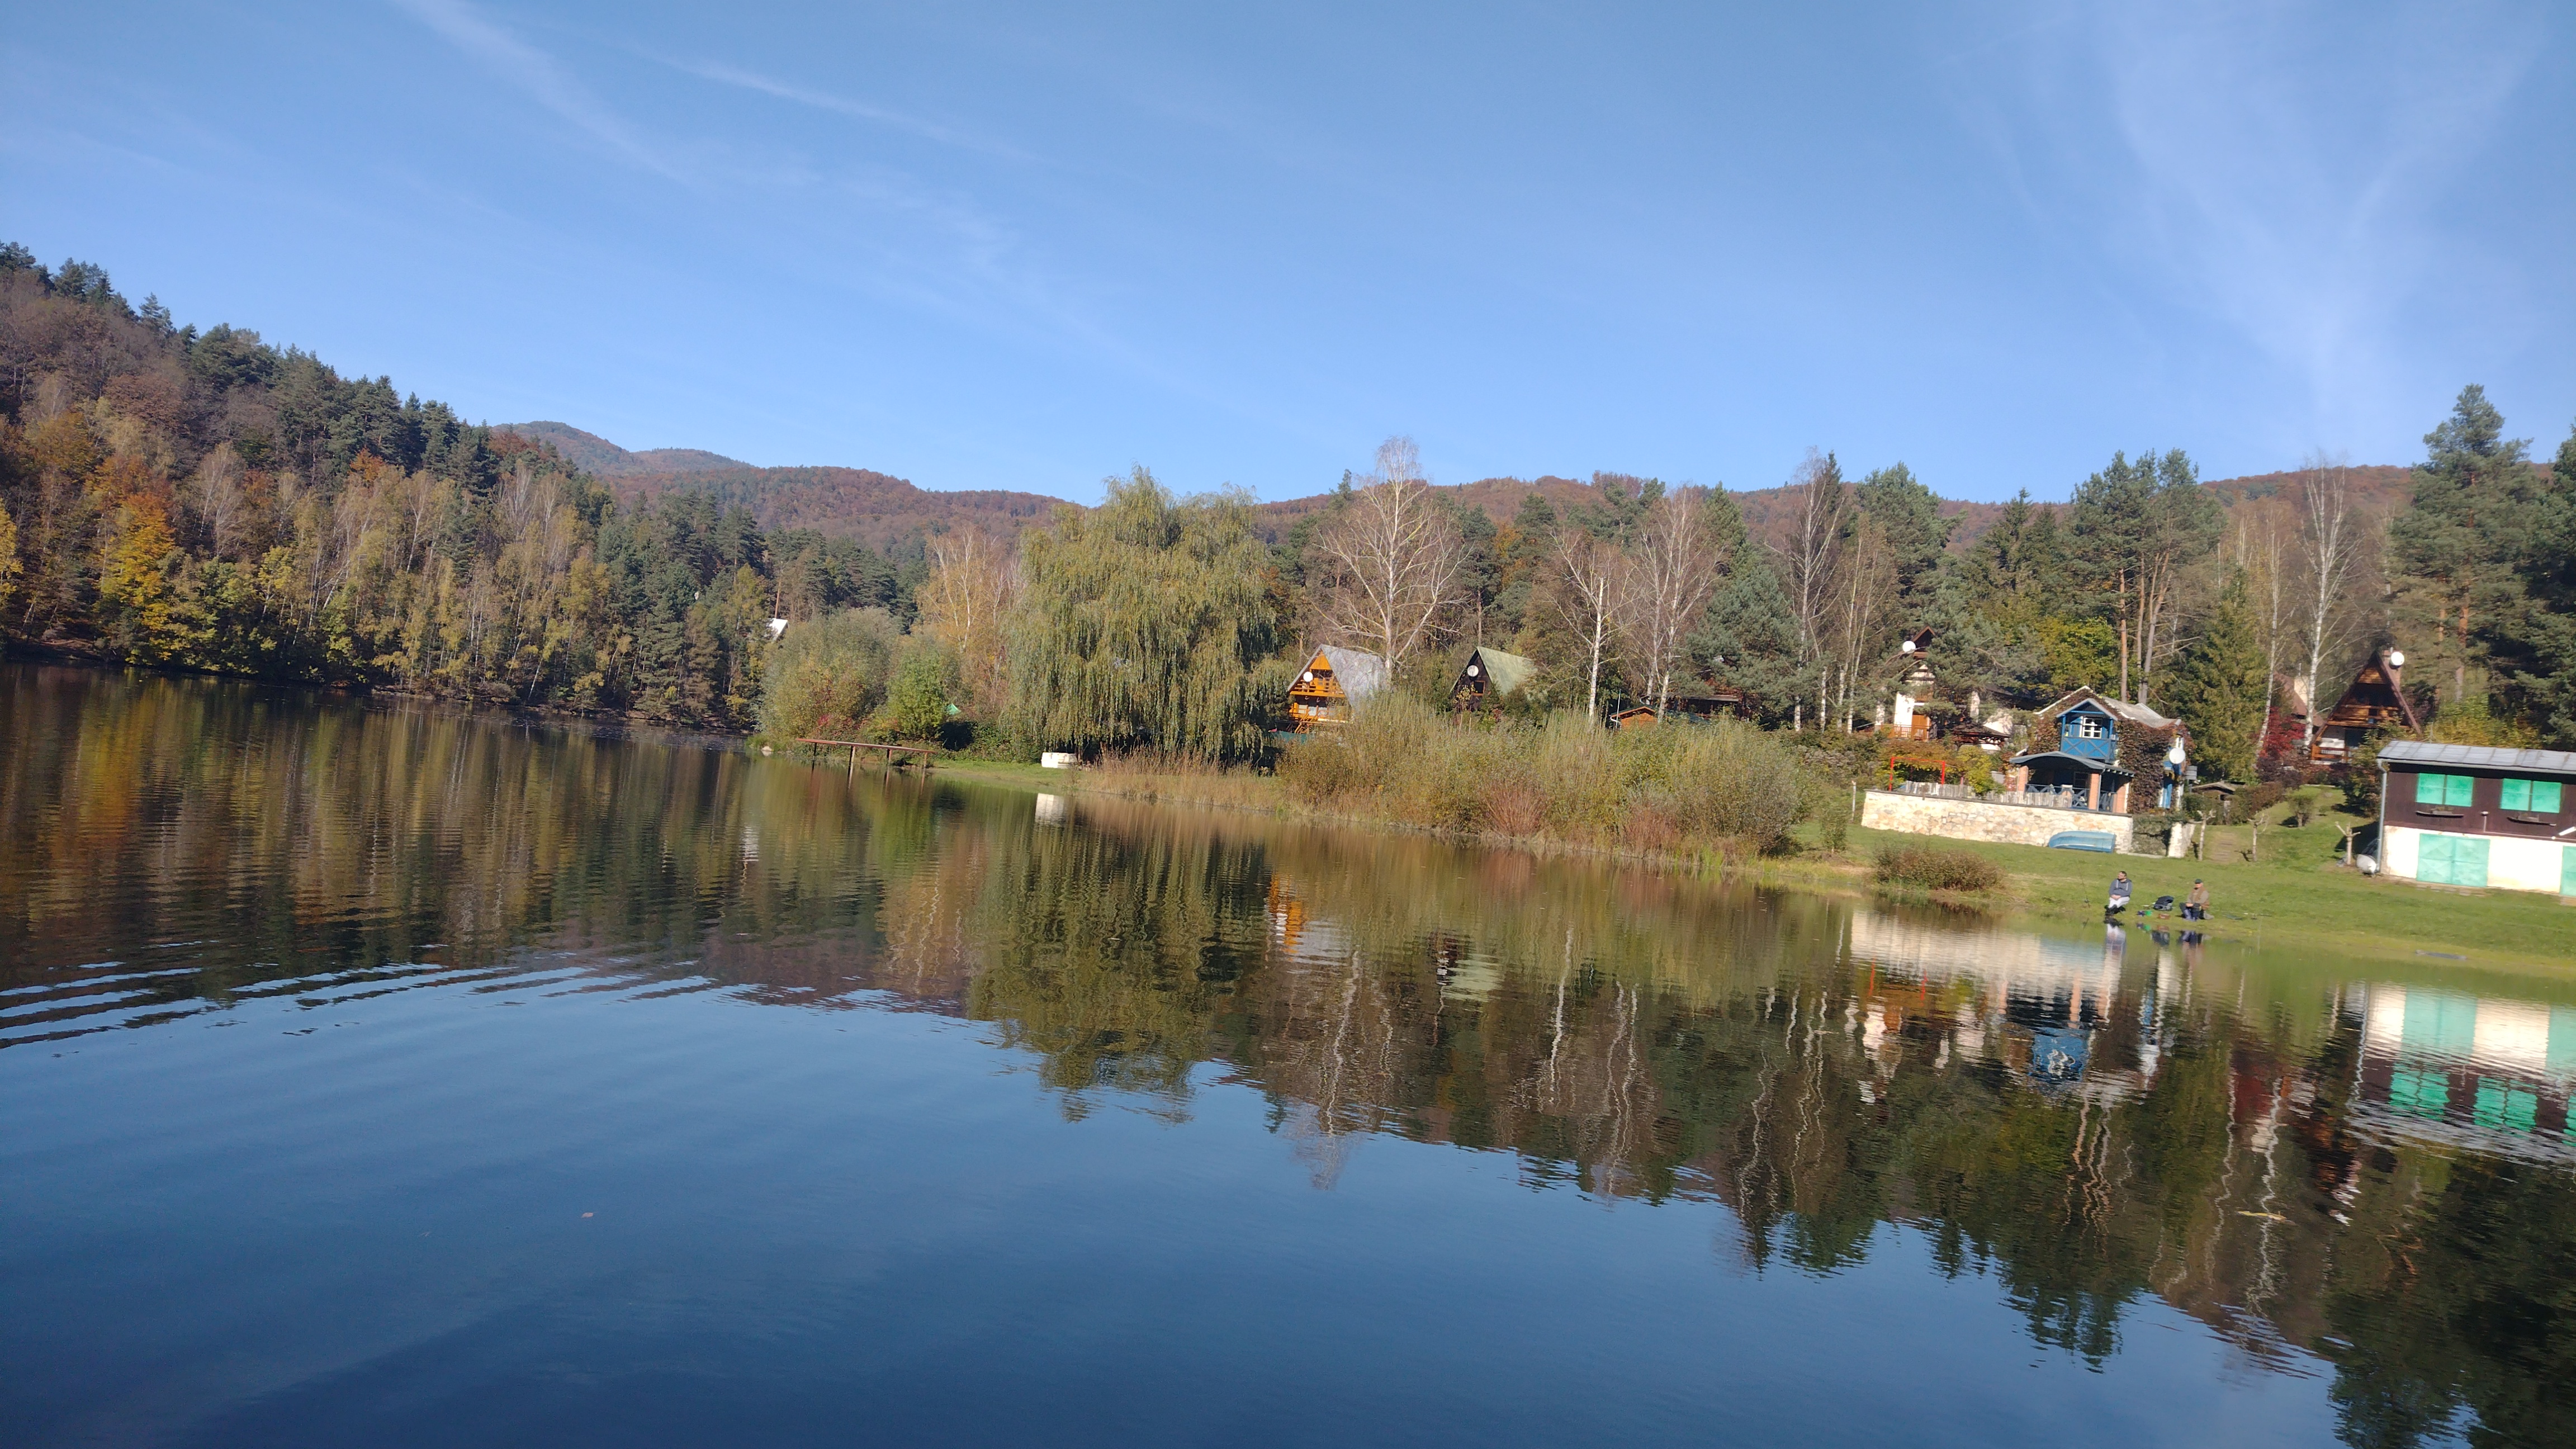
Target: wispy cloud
column 537, row 75
column 748, row 80
column 2306, row 206
column 2284, row 170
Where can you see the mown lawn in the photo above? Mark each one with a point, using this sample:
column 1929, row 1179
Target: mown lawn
column 2298, row 892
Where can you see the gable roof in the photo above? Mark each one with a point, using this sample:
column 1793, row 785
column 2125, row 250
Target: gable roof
column 1505, row 672
column 1358, row 672
column 2475, row 757
column 2374, row 691
column 2136, row 714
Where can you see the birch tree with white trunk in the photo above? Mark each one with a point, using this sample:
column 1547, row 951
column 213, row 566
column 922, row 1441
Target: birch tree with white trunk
column 1587, row 595
column 1392, row 562
column 2329, row 546
column 1664, row 582
column 1811, row 557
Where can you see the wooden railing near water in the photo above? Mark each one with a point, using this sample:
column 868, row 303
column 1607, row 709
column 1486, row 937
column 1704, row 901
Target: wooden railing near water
column 894, row 753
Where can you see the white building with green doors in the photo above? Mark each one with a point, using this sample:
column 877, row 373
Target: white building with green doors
column 2475, row 815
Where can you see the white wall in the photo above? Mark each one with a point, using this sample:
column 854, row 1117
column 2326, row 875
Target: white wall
column 2512, row 864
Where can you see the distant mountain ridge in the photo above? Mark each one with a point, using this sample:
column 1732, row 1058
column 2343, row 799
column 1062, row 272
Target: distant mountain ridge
column 887, row 512
column 601, row 458
column 880, row 510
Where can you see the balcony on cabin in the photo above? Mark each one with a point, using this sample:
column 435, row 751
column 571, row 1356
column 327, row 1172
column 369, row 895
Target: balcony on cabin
column 2087, row 735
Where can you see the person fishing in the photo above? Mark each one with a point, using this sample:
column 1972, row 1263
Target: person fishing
column 2195, row 907
column 2119, row 895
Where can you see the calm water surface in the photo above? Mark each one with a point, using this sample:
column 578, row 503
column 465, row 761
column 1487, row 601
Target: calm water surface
column 399, row 1077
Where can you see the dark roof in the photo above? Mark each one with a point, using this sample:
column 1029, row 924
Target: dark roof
column 2035, row 756
column 2487, row 757
column 2374, row 692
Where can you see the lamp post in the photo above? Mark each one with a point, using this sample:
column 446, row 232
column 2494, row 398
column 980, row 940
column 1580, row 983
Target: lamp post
column 2174, row 759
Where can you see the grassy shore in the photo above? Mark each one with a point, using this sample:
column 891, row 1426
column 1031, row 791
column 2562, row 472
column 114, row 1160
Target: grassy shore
column 2294, row 896
column 2297, row 894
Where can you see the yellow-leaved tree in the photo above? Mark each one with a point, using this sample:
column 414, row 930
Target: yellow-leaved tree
column 134, row 582
column 8, row 557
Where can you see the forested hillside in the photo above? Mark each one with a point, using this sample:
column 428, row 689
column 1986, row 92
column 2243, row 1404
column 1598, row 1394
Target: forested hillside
column 205, row 499
column 885, row 513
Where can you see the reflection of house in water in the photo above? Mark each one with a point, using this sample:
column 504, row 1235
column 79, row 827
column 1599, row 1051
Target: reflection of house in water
column 2041, row 1007
column 2467, row 1071
column 1296, row 936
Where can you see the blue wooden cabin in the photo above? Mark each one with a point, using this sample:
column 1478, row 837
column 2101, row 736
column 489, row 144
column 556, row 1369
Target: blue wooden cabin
column 2084, row 762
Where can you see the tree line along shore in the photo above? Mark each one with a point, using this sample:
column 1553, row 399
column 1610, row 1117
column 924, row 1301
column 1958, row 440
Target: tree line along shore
column 204, row 500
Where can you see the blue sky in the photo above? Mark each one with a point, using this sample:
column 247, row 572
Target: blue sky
column 1027, row 246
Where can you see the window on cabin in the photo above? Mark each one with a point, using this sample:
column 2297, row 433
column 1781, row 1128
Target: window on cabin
column 2088, row 728
column 2453, row 790
column 2539, row 797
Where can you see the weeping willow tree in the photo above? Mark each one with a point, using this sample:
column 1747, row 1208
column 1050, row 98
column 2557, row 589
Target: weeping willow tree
column 1143, row 625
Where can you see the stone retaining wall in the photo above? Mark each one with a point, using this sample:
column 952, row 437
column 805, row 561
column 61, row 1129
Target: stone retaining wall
column 1986, row 820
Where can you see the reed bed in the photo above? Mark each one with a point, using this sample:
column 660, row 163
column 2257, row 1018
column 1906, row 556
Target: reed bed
column 1722, row 785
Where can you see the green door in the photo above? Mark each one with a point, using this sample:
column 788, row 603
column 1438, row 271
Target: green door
column 2567, row 870
column 2433, row 859
column 2452, row 860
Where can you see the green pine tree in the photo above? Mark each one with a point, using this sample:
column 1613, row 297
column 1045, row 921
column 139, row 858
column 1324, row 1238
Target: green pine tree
column 2455, row 546
column 1918, row 537
column 2535, row 660
column 1749, row 639
column 2220, row 688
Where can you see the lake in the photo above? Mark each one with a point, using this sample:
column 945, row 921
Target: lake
column 385, row 1074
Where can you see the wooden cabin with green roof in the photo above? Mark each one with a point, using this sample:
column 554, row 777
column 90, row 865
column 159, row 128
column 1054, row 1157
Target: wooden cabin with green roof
column 1489, row 676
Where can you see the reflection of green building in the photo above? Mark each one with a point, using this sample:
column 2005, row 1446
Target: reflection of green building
column 2442, row 1064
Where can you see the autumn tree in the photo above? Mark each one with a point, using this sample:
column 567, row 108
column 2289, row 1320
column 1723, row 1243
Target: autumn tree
column 1860, row 621
column 973, row 583
column 8, row 557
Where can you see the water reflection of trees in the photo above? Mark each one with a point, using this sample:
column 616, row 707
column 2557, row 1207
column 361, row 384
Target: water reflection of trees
column 2298, row 1164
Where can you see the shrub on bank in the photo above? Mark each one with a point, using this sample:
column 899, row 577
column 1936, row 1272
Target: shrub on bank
column 833, row 669
column 1937, row 868
column 1564, row 778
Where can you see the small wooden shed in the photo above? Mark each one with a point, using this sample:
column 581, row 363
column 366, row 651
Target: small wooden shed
column 1489, row 675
